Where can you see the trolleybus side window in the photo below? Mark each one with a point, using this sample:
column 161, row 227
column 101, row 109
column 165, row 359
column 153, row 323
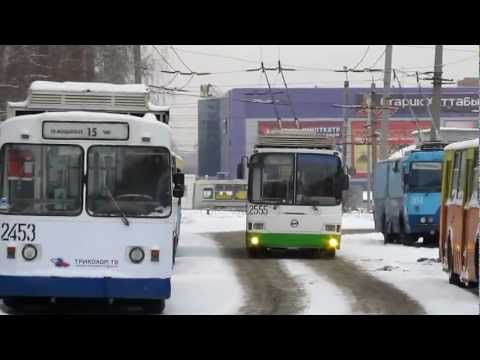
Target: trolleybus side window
column 133, row 180
column 272, row 178
column 42, row 179
column 456, row 175
column 317, row 180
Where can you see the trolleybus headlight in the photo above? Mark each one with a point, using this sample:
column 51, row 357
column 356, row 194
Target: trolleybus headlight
column 136, row 255
column 29, row 252
column 333, row 243
column 423, row 219
column 430, row 220
column 254, row 240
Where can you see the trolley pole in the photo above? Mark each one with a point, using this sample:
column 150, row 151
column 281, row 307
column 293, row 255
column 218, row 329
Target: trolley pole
column 386, row 94
column 137, row 63
column 437, row 88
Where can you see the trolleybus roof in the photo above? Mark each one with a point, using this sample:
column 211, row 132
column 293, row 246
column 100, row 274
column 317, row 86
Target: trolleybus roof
column 295, row 138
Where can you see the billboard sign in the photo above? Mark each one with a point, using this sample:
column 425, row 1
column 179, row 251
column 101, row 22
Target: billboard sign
column 322, row 128
column 420, row 102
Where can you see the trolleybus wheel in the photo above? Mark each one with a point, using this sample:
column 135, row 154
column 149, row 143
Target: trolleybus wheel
column 329, row 253
column 16, row 304
column 408, row 239
column 254, row 252
column 389, row 238
column 153, row 306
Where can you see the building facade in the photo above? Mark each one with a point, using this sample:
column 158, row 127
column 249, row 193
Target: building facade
column 245, row 113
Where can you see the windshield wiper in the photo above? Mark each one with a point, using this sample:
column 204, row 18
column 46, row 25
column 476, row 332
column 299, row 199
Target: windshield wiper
column 124, row 217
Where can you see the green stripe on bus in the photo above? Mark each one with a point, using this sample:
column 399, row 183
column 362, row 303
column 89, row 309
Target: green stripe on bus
column 294, row 240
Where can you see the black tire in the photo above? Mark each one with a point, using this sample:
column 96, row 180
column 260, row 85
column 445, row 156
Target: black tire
column 254, row 252
column 314, row 253
column 430, row 240
column 12, row 303
column 17, row 304
column 408, row 239
column 153, row 306
column 389, row 238
column 329, row 253
column 453, row 278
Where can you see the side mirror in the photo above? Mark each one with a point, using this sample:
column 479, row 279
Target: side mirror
column 179, row 179
column 179, row 182
column 178, row 192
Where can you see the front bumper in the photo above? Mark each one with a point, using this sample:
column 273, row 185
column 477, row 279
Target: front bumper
column 64, row 287
column 276, row 240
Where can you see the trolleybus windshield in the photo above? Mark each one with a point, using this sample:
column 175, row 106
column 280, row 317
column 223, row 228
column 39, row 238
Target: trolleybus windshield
column 316, row 180
column 41, row 179
column 138, row 179
column 425, row 176
column 272, row 179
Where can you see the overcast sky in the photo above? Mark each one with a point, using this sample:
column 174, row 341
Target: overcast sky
column 314, row 66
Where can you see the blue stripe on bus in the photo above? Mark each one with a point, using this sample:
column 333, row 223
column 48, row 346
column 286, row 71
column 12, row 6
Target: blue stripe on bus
column 38, row 286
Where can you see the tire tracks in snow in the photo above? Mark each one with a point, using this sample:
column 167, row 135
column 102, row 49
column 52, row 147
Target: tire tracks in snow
column 368, row 294
column 270, row 289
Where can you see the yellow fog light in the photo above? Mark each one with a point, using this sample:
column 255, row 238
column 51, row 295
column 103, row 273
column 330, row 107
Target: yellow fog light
column 333, row 243
column 254, row 240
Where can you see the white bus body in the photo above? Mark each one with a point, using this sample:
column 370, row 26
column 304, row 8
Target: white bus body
column 59, row 176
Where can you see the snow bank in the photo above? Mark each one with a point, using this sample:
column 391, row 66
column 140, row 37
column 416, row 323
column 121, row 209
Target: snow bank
column 88, row 86
column 203, row 283
column 423, row 280
column 197, row 221
column 201, row 277
column 356, row 220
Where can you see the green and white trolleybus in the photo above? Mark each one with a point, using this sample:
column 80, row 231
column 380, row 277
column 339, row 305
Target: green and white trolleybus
column 295, row 184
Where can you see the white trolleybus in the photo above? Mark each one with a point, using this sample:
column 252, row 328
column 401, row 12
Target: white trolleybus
column 89, row 208
column 295, row 185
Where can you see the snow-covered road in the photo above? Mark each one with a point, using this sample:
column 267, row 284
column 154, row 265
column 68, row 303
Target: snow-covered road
column 213, row 276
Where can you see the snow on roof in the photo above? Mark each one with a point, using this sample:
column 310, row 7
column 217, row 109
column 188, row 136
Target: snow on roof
column 445, row 129
column 400, row 153
column 154, row 107
column 463, row 145
column 88, row 86
column 17, row 103
column 77, row 115
column 149, row 116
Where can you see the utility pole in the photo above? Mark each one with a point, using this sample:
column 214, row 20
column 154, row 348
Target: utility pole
column 346, row 85
column 436, row 93
column 386, row 94
column 137, row 63
column 371, row 145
